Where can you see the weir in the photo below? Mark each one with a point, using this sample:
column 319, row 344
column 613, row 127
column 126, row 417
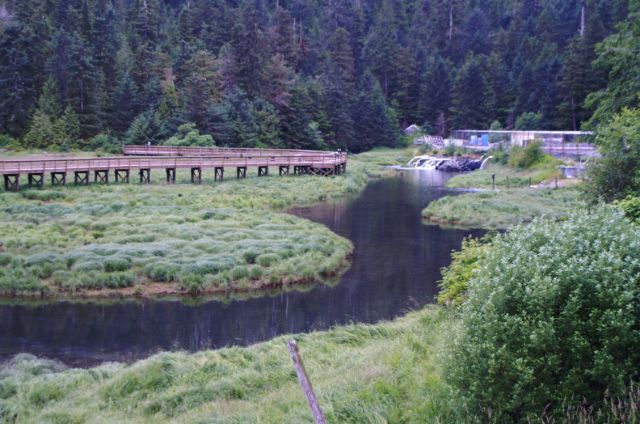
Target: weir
column 426, row 162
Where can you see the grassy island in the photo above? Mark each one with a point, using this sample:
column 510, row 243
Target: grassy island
column 501, row 209
column 162, row 239
column 526, row 186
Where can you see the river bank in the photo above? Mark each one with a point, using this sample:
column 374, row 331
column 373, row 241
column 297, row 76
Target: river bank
column 519, row 196
column 130, row 240
column 389, row 371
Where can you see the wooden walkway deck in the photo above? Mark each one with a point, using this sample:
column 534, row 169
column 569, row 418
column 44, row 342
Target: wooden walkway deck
column 143, row 159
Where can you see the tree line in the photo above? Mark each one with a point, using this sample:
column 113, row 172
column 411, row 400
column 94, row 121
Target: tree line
column 295, row 73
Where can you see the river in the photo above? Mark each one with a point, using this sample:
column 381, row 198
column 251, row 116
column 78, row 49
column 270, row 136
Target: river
column 396, row 265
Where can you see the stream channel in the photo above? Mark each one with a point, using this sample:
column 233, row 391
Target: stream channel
column 396, row 266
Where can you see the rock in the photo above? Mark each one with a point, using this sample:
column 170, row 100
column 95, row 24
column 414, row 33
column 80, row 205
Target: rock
column 460, row 165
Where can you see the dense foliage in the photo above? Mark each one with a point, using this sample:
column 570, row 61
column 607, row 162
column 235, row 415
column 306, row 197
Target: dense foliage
column 630, row 205
column 456, row 277
column 298, row 73
column 617, row 173
column 552, row 317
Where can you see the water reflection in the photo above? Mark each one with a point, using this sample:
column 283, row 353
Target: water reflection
column 396, row 264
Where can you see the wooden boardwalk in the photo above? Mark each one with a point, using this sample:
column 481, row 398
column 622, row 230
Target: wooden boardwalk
column 143, row 159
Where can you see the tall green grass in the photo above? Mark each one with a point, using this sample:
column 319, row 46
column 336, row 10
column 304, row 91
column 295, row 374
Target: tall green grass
column 501, row 209
column 212, row 237
column 507, row 176
column 388, row 372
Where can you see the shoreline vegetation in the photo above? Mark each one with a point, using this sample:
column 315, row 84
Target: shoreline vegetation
column 520, row 195
column 361, row 373
column 159, row 240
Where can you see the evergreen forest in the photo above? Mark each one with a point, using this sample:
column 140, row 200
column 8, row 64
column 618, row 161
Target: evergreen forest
column 318, row 74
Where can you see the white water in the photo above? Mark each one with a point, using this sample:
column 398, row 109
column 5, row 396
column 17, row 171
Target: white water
column 425, row 162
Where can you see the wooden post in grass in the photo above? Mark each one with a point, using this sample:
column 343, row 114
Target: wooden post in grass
column 318, row 416
column 493, row 181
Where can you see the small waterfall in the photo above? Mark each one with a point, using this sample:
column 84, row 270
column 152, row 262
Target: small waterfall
column 485, row 161
column 425, row 162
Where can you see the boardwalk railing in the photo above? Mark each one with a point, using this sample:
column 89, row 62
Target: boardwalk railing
column 303, row 162
column 135, row 150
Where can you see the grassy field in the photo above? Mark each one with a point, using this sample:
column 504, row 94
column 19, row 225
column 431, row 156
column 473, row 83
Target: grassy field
column 388, row 372
column 546, row 170
column 159, row 239
column 501, row 209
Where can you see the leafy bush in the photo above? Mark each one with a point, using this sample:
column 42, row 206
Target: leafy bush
column 631, row 207
column 456, row 277
column 524, row 158
column 106, row 143
column 552, row 316
column 615, row 175
column 188, row 135
column 117, row 264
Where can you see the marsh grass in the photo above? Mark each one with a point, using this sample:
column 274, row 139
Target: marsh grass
column 210, row 237
column 388, row 372
column 545, row 170
column 501, row 209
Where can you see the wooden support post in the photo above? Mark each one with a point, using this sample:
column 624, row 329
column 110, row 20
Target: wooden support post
column 12, row 182
column 36, row 180
column 81, row 177
column 241, row 172
column 196, row 175
column 101, row 176
column 318, row 416
column 58, row 178
column 122, row 176
column 263, row 171
column 145, row 176
column 219, row 173
column 171, row 175
column 493, row 181
column 284, row 170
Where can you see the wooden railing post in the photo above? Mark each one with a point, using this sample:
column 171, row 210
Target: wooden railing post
column 318, row 416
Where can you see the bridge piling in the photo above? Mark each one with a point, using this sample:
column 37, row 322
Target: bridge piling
column 121, row 176
column 171, row 175
column 58, row 178
column 12, row 182
column 36, row 179
column 101, row 176
column 81, row 177
column 283, row 170
column 241, row 172
column 196, row 175
column 218, row 173
column 145, row 176
column 263, row 171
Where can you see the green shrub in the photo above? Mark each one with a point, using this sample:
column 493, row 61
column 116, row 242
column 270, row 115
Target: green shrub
column 456, row 277
column 161, row 272
column 552, row 316
column 116, row 264
column 524, row 158
column 615, row 174
column 267, row 259
column 631, row 207
column 193, row 283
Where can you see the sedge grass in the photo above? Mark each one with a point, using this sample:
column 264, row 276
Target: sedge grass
column 501, row 209
column 387, row 372
column 211, row 237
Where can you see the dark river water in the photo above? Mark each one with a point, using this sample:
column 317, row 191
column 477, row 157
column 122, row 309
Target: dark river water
column 396, row 264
